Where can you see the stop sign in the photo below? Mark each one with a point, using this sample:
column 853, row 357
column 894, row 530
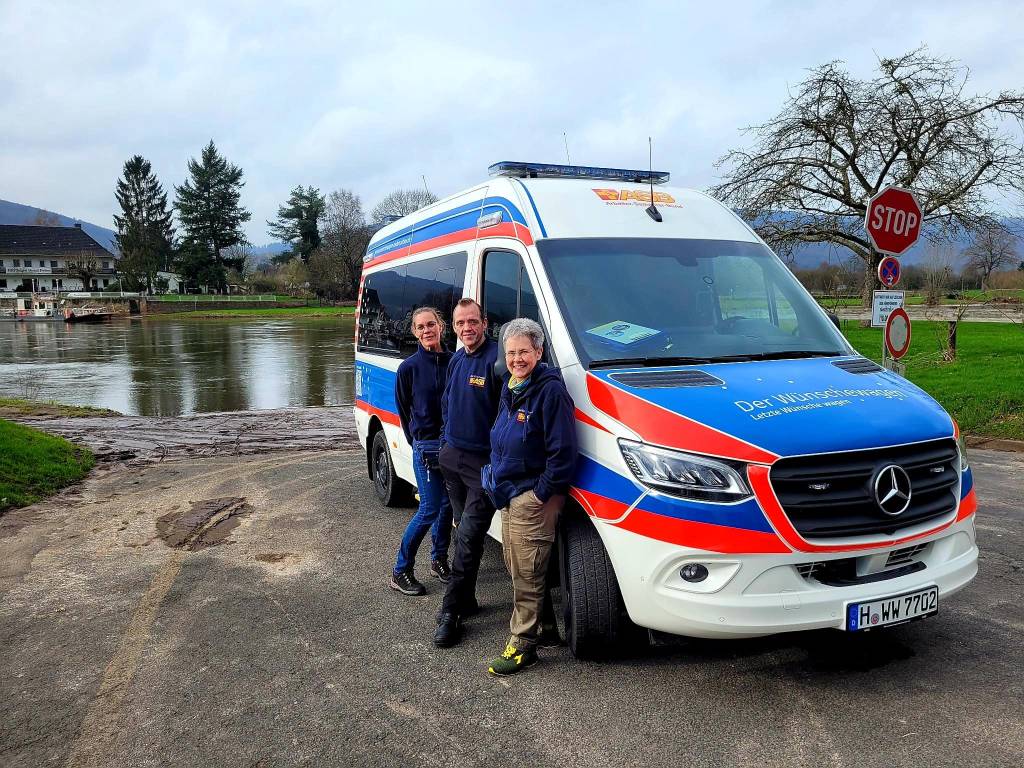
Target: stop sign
column 893, row 220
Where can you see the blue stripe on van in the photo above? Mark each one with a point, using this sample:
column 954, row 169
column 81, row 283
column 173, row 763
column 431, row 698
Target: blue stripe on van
column 453, row 220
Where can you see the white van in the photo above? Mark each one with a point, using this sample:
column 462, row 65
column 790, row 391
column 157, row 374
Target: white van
column 742, row 471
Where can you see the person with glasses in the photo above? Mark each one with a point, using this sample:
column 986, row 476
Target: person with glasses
column 533, row 456
column 418, row 388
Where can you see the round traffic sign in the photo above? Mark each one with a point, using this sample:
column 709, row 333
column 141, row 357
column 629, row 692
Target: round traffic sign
column 893, row 220
column 897, row 333
column 889, row 271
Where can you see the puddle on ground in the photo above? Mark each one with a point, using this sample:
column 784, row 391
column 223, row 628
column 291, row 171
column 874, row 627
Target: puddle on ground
column 207, row 523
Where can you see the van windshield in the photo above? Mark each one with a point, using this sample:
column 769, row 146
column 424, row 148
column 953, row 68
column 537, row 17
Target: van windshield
column 643, row 301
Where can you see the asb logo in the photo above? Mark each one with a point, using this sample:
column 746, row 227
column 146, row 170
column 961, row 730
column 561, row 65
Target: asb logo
column 634, row 195
column 892, row 490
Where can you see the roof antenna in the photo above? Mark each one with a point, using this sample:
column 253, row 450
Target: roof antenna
column 653, row 212
column 566, row 140
column 425, row 187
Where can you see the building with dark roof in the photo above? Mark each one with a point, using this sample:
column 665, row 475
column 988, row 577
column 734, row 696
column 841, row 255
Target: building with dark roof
column 41, row 258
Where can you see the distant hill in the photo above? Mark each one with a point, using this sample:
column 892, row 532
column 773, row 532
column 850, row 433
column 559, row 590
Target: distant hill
column 16, row 213
column 813, row 254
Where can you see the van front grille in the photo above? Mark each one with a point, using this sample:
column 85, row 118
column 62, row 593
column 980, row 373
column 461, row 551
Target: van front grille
column 833, row 495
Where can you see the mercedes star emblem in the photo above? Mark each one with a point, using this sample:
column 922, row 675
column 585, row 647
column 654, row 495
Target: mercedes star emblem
column 892, row 490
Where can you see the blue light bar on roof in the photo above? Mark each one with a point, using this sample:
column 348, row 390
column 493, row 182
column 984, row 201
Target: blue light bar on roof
column 550, row 171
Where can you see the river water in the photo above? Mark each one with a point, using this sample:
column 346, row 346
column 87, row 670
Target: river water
column 175, row 367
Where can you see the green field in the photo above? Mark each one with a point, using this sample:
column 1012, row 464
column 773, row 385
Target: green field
column 973, row 296
column 201, row 297
column 13, row 406
column 34, row 465
column 260, row 312
column 983, row 389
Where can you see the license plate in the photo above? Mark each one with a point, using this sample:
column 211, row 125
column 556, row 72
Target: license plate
column 886, row 611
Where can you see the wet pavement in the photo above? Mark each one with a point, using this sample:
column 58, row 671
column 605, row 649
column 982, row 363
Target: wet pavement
column 123, row 642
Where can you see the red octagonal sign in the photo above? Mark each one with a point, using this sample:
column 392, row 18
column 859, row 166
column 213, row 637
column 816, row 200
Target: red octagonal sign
column 893, row 220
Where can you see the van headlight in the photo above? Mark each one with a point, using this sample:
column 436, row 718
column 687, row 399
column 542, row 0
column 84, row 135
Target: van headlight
column 687, row 475
column 961, row 446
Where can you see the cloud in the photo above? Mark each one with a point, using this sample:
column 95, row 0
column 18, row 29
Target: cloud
column 377, row 96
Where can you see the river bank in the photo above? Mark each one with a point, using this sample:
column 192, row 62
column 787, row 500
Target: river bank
column 141, row 440
column 282, row 312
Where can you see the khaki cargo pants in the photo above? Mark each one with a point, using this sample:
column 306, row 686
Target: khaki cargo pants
column 528, row 529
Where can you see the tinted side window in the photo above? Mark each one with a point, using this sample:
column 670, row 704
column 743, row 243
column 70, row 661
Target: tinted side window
column 434, row 283
column 391, row 295
column 508, row 292
column 381, row 312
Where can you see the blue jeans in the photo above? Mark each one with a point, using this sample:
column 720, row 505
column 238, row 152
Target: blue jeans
column 434, row 513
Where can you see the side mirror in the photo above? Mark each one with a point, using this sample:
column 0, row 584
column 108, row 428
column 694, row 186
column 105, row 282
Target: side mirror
column 835, row 319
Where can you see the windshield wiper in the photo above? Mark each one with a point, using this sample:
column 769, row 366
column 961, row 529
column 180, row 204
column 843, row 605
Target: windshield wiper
column 648, row 361
column 789, row 354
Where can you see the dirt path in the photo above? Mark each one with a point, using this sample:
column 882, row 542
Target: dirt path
column 233, row 610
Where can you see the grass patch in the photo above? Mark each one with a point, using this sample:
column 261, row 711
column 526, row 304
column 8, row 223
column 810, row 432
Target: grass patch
column 983, row 389
column 13, row 406
column 34, row 465
column 267, row 312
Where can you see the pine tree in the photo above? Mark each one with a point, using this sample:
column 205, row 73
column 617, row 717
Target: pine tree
column 144, row 231
column 298, row 221
column 208, row 206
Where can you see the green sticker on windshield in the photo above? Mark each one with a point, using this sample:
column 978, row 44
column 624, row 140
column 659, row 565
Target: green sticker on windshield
column 623, row 333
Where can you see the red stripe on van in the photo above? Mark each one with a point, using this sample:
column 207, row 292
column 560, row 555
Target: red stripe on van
column 663, row 427
column 509, row 229
column 581, row 416
column 968, row 506
column 596, row 505
column 706, row 536
column 765, row 494
column 386, row 416
column 685, row 533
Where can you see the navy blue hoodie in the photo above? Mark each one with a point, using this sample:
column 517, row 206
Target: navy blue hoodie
column 470, row 401
column 418, row 389
column 533, row 441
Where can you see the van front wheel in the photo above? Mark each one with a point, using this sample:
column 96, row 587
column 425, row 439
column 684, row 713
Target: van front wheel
column 391, row 489
column 596, row 622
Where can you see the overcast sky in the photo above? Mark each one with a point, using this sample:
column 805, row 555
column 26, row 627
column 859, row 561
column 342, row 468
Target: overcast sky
column 372, row 96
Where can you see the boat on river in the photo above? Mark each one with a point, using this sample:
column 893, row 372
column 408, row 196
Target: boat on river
column 86, row 314
column 40, row 306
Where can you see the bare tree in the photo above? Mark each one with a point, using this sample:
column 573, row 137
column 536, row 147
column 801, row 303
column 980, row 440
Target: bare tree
column 335, row 268
column 400, row 203
column 84, row 265
column 838, row 140
column 938, row 272
column 994, row 248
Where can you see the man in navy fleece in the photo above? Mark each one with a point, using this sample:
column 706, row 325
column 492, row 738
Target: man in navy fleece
column 468, row 407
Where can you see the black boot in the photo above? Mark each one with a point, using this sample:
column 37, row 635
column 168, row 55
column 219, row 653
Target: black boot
column 449, row 630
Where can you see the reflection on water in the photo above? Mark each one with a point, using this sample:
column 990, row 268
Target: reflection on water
column 175, row 367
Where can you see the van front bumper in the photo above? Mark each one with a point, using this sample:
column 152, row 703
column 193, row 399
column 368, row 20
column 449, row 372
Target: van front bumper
column 753, row 595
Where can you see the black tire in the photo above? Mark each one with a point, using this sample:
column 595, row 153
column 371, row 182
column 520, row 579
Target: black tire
column 391, row 489
column 596, row 623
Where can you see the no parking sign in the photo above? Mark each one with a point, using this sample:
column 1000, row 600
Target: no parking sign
column 889, row 271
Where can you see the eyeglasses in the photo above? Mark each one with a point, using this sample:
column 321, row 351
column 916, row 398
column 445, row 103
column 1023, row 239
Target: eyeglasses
column 523, row 353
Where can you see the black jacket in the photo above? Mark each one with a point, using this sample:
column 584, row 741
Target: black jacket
column 418, row 390
column 470, row 401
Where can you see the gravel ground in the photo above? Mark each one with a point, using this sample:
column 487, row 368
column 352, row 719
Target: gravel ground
column 267, row 636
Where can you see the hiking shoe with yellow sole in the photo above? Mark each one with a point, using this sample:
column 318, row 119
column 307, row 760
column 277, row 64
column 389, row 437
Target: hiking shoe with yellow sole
column 513, row 660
